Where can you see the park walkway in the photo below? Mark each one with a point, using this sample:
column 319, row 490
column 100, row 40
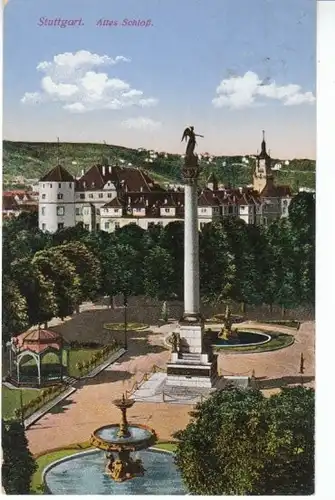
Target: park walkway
column 91, row 405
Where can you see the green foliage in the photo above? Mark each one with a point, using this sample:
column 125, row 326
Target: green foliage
column 14, row 311
column 217, row 264
column 56, row 267
column 158, row 273
column 18, row 464
column 241, row 443
column 87, row 268
column 38, row 290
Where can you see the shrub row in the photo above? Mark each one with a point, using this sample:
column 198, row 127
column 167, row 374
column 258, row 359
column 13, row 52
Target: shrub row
column 45, row 395
column 86, row 366
column 76, row 344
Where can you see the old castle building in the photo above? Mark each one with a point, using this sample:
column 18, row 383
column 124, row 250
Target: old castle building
column 107, row 197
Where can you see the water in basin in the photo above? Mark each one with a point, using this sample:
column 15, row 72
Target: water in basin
column 109, row 434
column 85, row 475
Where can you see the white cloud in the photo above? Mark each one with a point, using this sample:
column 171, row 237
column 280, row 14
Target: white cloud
column 141, row 123
column 249, row 90
column 72, row 79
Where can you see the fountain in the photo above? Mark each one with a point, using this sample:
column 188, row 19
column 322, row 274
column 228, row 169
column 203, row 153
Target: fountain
column 123, row 439
column 227, row 332
column 235, row 337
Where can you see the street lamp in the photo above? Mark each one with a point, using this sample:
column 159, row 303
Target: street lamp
column 125, row 304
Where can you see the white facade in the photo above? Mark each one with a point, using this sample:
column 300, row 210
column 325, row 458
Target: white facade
column 56, row 206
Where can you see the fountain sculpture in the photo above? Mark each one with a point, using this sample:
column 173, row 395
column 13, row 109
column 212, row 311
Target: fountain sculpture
column 227, row 332
column 123, row 439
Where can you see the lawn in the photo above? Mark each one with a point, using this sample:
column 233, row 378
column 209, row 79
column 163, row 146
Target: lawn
column 76, row 355
column 11, row 399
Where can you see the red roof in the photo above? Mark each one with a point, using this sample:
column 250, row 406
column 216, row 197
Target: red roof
column 9, row 202
column 125, row 178
column 39, row 340
column 58, row 174
column 272, row 191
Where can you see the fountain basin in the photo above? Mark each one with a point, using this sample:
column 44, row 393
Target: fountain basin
column 82, row 474
column 242, row 338
column 140, row 437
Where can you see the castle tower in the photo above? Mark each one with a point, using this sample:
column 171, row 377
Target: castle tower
column 263, row 175
column 212, row 182
column 56, row 204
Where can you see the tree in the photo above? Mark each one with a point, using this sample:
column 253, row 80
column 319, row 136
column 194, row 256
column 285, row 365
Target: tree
column 217, row 268
column 87, row 267
column 14, row 311
column 302, row 221
column 241, row 443
column 54, row 266
column 37, row 289
column 158, row 273
column 18, row 464
column 172, row 239
column 122, row 268
column 282, row 280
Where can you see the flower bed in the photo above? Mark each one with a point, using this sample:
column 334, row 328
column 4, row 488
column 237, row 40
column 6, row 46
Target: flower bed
column 117, row 327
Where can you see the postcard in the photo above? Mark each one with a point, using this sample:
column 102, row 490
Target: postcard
column 158, row 279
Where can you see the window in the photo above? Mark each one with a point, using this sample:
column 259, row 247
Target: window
column 60, row 210
column 70, row 185
column 97, row 227
column 230, row 209
column 78, row 211
column 82, row 196
column 43, row 211
column 167, row 210
column 265, row 221
column 117, row 225
column 59, row 196
column 43, row 227
column 43, row 196
column 86, row 211
column 61, row 225
column 105, row 210
column 98, row 211
column 106, row 225
column 90, row 195
column 87, row 226
column 101, row 195
column 203, row 210
column 109, row 195
column 59, row 185
column 116, row 210
column 50, row 185
column 43, row 186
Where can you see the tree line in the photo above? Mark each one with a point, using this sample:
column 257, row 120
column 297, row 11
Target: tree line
column 50, row 275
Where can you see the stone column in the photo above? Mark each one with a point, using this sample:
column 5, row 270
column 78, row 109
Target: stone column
column 191, row 251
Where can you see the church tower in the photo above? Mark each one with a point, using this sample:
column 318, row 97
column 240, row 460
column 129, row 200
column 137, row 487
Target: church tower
column 263, row 176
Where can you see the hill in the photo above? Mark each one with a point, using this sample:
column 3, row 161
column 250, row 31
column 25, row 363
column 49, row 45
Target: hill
column 33, row 159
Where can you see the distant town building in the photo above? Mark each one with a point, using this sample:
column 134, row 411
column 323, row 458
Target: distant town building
column 17, row 201
column 108, row 197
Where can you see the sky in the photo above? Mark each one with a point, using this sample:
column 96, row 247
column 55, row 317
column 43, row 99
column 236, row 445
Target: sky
column 230, row 68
